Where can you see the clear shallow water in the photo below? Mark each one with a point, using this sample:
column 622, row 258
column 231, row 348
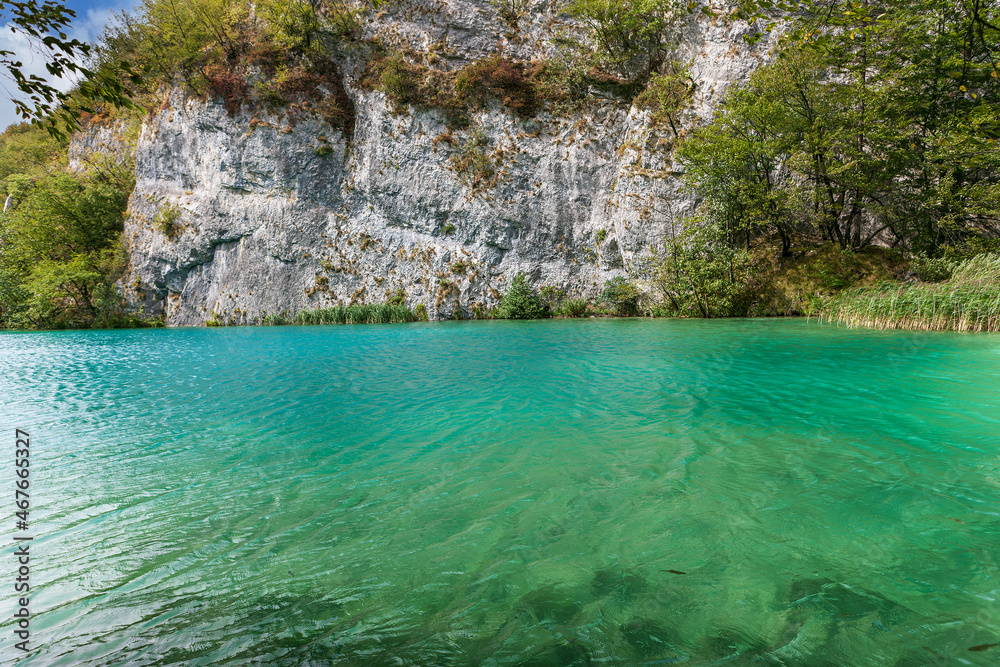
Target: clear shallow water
column 509, row 494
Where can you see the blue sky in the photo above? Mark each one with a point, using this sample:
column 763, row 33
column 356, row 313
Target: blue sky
column 91, row 17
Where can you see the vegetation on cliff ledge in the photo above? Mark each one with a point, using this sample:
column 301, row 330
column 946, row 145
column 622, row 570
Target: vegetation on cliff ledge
column 277, row 54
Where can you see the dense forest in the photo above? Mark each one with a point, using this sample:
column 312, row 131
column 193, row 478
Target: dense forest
column 854, row 175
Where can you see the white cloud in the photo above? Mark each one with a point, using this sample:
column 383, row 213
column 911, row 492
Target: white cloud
column 86, row 28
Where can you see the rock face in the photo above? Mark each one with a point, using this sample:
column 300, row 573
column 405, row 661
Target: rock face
column 235, row 218
column 111, row 141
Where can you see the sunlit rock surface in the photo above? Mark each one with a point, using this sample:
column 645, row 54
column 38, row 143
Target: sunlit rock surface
column 235, row 218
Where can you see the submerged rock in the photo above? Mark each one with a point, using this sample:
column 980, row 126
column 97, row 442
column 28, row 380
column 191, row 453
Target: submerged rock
column 609, row 581
column 552, row 603
column 847, row 602
column 648, row 637
column 804, row 588
column 559, row 653
column 726, row 642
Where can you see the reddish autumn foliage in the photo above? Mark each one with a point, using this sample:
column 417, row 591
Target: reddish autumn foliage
column 231, row 86
column 499, row 78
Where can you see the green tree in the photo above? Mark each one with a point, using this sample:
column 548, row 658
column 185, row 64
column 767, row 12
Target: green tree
column 271, row 52
column 44, row 26
column 666, row 94
column 28, row 149
column 167, row 38
column 699, row 273
column 621, row 297
column 735, row 165
column 877, row 119
column 60, row 251
column 633, row 37
column 520, row 302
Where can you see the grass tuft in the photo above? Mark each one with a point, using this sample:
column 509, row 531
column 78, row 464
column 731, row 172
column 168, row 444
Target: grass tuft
column 968, row 301
column 381, row 313
column 274, row 320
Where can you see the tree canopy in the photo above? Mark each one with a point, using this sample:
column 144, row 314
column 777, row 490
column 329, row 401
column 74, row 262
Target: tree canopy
column 876, row 121
column 44, row 25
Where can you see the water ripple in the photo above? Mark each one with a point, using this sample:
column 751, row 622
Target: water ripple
column 548, row 493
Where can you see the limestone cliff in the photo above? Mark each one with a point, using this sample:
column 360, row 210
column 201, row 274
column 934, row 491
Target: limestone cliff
column 236, row 217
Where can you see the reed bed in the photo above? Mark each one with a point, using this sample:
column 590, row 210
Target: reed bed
column 381, row 313
column 968, row 301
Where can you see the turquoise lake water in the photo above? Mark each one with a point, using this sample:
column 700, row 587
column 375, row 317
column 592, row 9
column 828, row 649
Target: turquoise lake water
column 602, row 492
